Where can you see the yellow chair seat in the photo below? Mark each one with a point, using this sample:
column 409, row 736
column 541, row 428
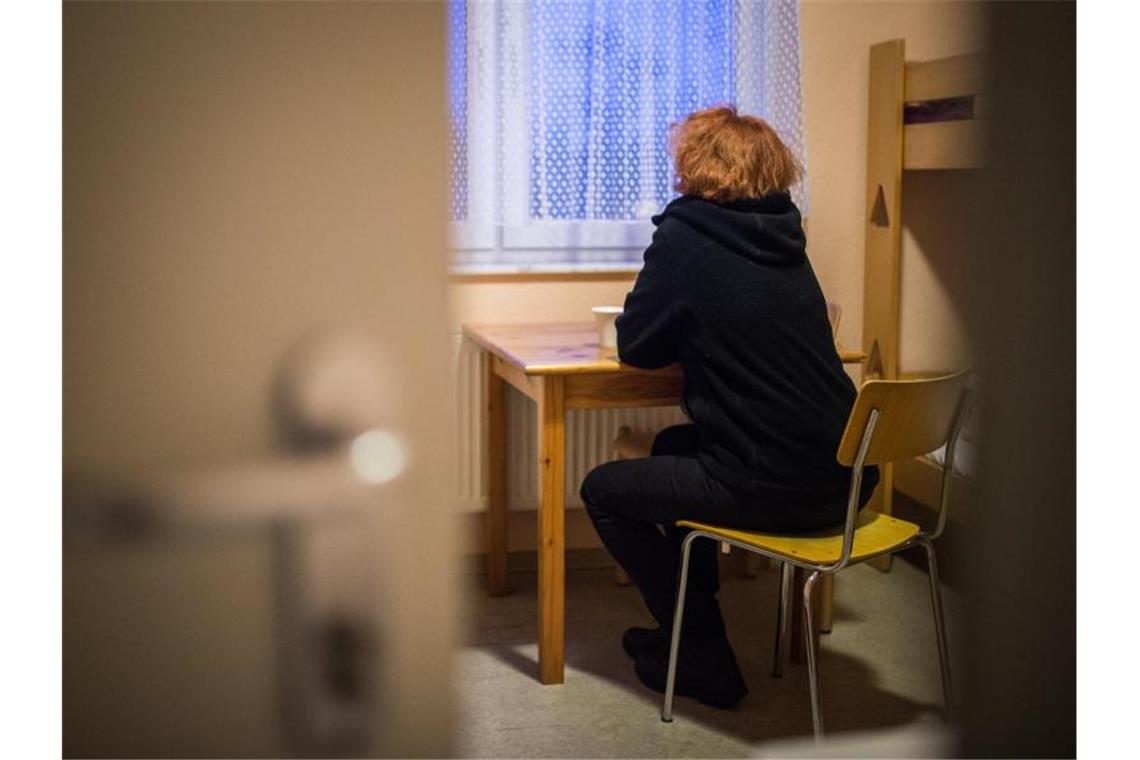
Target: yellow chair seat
column 875, row 533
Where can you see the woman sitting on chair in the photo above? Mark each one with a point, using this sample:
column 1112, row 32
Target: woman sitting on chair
column 727, row 291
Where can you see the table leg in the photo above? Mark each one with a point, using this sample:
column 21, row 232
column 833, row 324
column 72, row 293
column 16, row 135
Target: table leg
column 552, row 531
column 495, row 450
column 826, row 602
column 798, row 647
column 883, row 501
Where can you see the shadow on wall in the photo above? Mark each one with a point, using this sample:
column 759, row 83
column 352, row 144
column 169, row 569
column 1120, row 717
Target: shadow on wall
column 937, row 269
column 1021, row 683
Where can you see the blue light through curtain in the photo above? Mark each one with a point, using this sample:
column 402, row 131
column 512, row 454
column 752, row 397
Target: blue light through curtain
column 560, row 112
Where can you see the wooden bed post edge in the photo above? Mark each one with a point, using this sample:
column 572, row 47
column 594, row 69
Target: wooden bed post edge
column 883, row 222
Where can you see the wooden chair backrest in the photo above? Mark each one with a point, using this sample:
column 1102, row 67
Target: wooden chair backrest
column 915, row 417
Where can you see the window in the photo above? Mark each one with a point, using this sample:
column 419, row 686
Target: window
column 560, row 109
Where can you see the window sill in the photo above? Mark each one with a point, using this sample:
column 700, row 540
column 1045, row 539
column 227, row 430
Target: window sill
column 554, row 273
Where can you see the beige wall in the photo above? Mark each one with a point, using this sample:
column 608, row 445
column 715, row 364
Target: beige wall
column 555, row 299
column 836, row 38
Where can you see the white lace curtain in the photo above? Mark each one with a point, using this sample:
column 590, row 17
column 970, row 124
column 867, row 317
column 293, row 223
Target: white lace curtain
column 560, row 112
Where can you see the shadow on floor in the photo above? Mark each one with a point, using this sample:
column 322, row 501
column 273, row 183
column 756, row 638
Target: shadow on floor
column 851, row 670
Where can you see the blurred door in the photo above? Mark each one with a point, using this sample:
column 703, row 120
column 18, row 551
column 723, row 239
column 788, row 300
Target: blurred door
column 237, row 177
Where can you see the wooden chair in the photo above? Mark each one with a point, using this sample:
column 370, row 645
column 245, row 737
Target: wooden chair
column 891, row 420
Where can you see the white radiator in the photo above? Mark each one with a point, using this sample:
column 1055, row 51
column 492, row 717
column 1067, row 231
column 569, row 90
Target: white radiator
column 589, row 436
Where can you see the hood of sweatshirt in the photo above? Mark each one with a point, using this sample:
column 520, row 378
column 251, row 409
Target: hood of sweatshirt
column 766, row 230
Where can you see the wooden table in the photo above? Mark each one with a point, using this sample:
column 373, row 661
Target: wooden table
column 560, row 367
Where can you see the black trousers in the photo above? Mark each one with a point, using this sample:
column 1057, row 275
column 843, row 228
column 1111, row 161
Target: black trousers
column 634, row 503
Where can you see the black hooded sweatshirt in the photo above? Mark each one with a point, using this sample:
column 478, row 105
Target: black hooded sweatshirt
column 727, row 291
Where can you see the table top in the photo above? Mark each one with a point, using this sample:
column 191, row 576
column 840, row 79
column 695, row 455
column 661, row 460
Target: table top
column 561, row 348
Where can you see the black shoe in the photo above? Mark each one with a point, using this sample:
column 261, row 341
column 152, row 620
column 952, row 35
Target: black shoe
column 708, row 673
column 651, row 641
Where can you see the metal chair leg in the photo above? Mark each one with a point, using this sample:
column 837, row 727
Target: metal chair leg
column 782, row 590
column 812, row 655
column 939, row 626
column 678, row 614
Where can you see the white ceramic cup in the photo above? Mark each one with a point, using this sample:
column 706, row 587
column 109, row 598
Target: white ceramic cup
column 606, row 317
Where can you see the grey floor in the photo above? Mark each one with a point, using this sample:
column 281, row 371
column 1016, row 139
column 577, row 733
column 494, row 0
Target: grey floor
column 879, row 670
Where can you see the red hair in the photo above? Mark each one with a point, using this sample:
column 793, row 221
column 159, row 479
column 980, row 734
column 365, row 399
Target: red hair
column 723, row 156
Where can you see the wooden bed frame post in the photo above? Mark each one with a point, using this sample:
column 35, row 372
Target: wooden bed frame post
column 884, row 231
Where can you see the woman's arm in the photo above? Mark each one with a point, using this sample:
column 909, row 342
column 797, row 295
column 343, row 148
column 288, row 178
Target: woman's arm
column 647, row 329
